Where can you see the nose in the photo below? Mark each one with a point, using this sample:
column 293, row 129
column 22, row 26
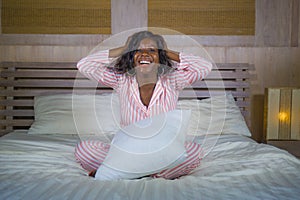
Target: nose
column 145, row 52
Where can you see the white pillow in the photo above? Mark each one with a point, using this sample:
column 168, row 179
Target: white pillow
column 215, row 115
column 76, row 114
column 146, row 147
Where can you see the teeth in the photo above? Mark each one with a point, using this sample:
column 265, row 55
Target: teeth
column 144, row 62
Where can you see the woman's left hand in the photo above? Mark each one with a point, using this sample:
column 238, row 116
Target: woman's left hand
column 92, row 173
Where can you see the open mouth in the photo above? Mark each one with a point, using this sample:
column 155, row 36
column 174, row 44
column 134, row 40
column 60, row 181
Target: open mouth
column 147, row 62
column 144, row 62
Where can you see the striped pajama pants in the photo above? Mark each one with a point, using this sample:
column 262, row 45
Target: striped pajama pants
column 91, row 153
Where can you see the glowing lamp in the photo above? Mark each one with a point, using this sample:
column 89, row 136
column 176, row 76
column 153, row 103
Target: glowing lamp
column 282, row 114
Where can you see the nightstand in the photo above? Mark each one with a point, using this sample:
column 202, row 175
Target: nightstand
column 282, row 118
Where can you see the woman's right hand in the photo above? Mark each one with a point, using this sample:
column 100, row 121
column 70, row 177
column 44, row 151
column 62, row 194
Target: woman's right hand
column 127, row 42
column 116, row 52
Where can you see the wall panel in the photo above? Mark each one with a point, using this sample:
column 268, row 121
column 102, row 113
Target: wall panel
column 273, row 24
column 56, row 16
column 128, row 14
column 39, row 53
column 298, row 23
column 202, row 17
column 295, row 23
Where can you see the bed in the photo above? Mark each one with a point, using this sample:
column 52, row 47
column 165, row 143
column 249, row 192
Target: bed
column 37, row 158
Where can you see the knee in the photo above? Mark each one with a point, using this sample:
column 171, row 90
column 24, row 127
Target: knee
column 79, row 146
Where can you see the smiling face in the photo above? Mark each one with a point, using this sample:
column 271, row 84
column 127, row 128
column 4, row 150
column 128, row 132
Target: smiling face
column 146, row 58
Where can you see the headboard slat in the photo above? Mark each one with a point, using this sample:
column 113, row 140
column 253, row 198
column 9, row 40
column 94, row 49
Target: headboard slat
column 39, row 73
column 16, row 102
column 46, row 91
column 15, row 122
column 71, row 73
column 39, row 65
column 204, row 94
column 83, row 83
column 20, row 113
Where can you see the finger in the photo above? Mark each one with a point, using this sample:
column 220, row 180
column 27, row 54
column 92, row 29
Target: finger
column 92, row 173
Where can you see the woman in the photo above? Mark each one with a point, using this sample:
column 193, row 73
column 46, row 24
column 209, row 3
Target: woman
column 147, row 77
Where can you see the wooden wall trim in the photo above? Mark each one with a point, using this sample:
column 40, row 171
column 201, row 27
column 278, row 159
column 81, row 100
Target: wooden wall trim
column 52, row 39
column 226, row 41
column 0, row 17
column 128, row 14
column 298, row 23
column 274, row 22
column 295, row 23
column 91, row 39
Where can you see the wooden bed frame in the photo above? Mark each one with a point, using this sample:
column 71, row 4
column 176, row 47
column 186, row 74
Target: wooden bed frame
column 21, row 81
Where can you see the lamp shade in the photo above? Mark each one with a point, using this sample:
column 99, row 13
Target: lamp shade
column 282, row 114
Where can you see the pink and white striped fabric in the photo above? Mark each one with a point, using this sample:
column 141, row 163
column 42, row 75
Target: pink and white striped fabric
column 166, row 92
column 165, row 96
column 90, row 154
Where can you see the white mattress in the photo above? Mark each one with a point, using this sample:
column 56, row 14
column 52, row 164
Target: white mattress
column 44, row 167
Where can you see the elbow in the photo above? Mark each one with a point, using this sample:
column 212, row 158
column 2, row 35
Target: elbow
column 80, row 65
column 206, row 69
column 209, row 65
column 86, row 67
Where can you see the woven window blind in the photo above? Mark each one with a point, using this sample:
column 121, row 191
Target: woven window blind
column 56, row 16
column 204, row 17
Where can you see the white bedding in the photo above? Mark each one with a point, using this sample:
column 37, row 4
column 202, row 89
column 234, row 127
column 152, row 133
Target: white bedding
column 44, row 167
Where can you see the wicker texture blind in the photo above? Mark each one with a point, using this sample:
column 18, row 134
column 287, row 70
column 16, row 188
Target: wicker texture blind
column 56, row 16
column 203, row 17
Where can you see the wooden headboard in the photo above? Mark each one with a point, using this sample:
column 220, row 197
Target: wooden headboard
column 21, row 81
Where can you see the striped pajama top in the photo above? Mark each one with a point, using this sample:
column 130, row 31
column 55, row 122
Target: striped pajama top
column 165, row 95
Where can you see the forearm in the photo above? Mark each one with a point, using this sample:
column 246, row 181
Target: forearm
column 91, row 63
column 173, row 55
column 116, row 52
column 94, row 67
column 190, row 69
column 195, row 65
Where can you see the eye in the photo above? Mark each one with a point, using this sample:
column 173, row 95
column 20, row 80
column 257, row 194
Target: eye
column 148, row 50
column 152, row 50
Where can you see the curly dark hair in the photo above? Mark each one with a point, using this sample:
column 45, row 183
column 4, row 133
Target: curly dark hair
column 125, row 63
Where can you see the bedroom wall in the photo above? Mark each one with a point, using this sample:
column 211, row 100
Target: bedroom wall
column 274, row 49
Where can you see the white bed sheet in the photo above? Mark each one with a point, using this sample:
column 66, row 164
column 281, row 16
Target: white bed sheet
column 44, row 167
